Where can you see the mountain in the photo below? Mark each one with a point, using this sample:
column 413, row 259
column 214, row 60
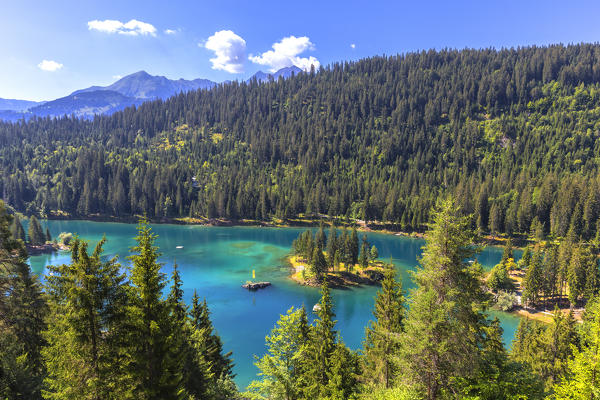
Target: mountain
column 85, row 104
column 16, row 105
column 130, row 90
column 283, row 72
column 141, row 85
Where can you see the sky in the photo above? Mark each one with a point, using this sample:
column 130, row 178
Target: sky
column 52, row 48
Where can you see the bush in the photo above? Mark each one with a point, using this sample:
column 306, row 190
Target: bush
column 397, row 393
column 506, row 301
column 65, row 238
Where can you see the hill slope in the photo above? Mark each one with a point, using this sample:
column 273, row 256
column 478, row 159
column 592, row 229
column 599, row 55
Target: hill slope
column 514, row 134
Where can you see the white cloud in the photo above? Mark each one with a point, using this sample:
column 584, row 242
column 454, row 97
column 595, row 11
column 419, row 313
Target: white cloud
column 170, row 31
column 353, row 45
column 49, row 65
column 229, row 49
column 117, row 77
column 286, row 53
column 131, row 28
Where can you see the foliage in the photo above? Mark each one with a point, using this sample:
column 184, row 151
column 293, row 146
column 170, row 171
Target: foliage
column 382, row 336
column 511, row 133
column 281, row 367
column 444, row 324
column 34, row 232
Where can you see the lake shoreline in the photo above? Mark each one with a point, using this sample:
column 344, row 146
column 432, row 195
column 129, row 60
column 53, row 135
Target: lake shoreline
column 383, row 228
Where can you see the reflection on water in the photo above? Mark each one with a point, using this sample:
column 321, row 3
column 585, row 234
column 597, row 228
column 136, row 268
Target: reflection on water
column 216, row 261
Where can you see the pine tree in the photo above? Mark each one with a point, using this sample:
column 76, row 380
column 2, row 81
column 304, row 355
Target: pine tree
column 197, row 370
column 319, row 264
column 374, row 254
column 178, row 336
column 582, row 379
column 534, row 279
column 499, row 377
column 48, row 236
column 281, row 368
column 151, row 326
column 343, row 375
column 353, row 247
column 444, row 321
column 23, row 310
column 35, row 233
column 320, row 237
column 576, row 273
column 332, row 246
column 17, row 229
column 382, row 336
column 507, row 252
column 317, row 360
column 363, row 258
column 85, row 353
column 221, row 363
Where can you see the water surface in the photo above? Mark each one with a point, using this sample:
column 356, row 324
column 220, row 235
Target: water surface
column 215, row 261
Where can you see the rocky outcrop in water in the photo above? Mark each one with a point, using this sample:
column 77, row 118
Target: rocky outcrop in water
column 256, row 285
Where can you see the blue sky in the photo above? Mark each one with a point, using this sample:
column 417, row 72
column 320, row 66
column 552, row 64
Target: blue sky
column 51, row 48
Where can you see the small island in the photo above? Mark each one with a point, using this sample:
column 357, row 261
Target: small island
column 38, row 241
column 339, row 258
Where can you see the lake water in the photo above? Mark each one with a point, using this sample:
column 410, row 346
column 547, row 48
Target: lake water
column 216, row 261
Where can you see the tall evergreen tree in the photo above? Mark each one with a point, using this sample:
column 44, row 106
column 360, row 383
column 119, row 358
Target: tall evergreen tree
column 35, row 233
column 86, row 353
column 281, row 368
column 382, row 336
column 16, row 229
column 582, row 379
column 317, row 360
column 22, row 319
column 156, row 376
column 332, row 246
column 363, row 258
column 444, row 323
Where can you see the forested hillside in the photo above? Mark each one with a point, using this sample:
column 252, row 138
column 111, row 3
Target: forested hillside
column 513, row 134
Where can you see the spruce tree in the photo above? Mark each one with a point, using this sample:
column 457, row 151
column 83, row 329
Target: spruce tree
column 35, row 233
column 221, row 363
column 581, row 381
column 156, row 376
column 319, row 264
column 280, row 368
column 86, row 354
column 444, row 323
column 343, row 373
column 508, row 251
column 178, row 336
column 534, row 279
column 499, row 377
column 17, row 230
column 374, row 254
column 317, row 360
column 363, row 258
column 353, row 247
column 332, row 246
column 23, row 312
column 382, row 336
column 320, row 237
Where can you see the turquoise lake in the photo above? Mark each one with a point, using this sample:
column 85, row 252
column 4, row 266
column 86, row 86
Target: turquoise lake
column 216, row 261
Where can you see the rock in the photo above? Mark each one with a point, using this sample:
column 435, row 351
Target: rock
column 316, row 308
column 256, row 285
